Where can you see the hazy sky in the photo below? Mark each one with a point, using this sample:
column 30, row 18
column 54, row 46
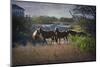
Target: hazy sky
column 45, row 9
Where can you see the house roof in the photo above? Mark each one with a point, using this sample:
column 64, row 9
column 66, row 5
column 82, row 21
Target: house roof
column 14, row 6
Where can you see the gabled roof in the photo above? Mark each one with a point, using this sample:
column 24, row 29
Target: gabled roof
column 14, row 6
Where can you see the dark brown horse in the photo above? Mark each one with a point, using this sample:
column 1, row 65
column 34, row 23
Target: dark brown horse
column 72, row 32
column 77, row 33
column 82, row 34
column 61, row 35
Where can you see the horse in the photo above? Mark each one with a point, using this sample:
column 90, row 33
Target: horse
column 44, row 35
column 36, row 35
column 77, row 33
column 82, row 34
column 61, row 35
column 72, row 32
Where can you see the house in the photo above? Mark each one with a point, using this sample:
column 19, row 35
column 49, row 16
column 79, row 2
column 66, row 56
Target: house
column 17, row 10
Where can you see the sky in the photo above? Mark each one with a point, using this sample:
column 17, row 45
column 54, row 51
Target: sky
column 35, row 9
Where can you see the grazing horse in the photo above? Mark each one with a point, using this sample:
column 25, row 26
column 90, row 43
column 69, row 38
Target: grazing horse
column 82, row 34
column 61, row 35
column 39, row 33
column 77, row 33
column 72, row 32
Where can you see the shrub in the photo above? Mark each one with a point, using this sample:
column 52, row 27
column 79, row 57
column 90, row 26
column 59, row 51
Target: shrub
column 85, row 43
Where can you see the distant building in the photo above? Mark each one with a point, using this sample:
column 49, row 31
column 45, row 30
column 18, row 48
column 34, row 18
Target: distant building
column 17, row 10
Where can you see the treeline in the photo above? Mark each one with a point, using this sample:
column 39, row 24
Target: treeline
column 63, row 19
column 86, row 19
column 49, row 20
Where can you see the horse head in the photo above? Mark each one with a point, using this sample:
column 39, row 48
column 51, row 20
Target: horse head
column 71, row 32
column 37, row 34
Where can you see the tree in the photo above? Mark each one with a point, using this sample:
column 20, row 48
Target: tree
column 82, row 13
column 20, row 27
column 44, row 19
column 85, row 10
column 63, row 19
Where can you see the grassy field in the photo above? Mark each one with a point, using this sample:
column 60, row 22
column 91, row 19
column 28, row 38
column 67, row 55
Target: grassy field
column 49, row 54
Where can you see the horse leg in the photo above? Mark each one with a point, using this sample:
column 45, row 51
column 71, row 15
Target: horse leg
column 59, row 40
column 67, row 40
column 51, row 41
column 64, row 40
column 56, row 41
column 44, row 41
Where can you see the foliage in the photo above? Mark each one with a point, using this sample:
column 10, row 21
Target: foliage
column 62, row 19
column 85, row 43
column 48, row 20
column 85, row 10
column 44, row 19
column 88, row 26
column 20, row 27
column 85, row 21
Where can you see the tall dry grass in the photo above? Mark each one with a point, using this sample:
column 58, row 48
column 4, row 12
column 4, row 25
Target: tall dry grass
column 48, row 54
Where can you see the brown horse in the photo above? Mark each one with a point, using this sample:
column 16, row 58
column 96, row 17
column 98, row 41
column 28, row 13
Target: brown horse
column 36, row 35
column 77, row 33
column 61, row 35
column 44, row 35
column 72, row 32
column 82, row 34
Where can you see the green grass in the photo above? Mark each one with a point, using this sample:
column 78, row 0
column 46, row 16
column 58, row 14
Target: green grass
column 85, row 43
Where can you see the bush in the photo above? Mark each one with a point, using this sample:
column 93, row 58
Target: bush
column 88, row 26
column 85, row 43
